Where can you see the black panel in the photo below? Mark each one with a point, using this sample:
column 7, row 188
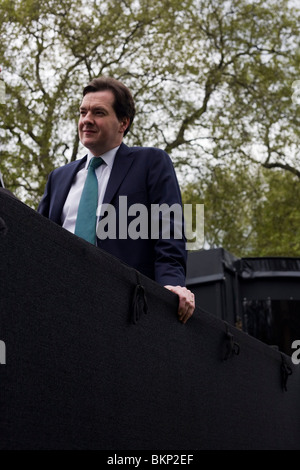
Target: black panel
column 88, row 368
column 211, row 275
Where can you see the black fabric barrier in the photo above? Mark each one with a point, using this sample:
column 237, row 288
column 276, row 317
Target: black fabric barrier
column 97, row 370
column 212, row 277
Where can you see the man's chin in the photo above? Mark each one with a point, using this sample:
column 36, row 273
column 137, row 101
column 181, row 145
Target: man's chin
column 89, row 143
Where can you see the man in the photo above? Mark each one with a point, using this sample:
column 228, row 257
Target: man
column 135, row 175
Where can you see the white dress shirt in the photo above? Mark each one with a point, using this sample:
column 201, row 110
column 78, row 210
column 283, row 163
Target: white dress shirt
column 69, row 212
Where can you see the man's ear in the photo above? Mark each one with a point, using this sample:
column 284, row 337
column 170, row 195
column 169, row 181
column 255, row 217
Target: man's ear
column 124, row 124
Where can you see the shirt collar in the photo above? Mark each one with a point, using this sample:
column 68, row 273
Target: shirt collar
column 108, row 157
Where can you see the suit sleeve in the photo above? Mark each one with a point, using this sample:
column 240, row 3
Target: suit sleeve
column 44, row 205
column 170, row 248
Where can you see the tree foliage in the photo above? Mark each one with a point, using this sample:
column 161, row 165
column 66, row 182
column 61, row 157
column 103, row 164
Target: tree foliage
column 249, row 213
column 212, row 79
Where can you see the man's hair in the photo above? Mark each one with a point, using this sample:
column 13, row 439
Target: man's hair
column 123, row 103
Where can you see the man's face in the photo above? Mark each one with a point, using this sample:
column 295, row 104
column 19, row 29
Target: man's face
column 99, row 128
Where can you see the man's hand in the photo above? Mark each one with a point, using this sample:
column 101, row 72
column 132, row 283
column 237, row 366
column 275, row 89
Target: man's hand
column 186, row 305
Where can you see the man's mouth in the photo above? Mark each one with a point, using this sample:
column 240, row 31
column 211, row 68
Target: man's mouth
column 88, row 131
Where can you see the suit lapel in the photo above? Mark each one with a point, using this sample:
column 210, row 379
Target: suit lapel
column 123, row 161
column 63, row 185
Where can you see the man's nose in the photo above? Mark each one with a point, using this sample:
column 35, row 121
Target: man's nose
column 87, row 117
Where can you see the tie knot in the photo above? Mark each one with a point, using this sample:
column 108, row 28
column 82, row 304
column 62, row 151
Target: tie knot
column 95, row 162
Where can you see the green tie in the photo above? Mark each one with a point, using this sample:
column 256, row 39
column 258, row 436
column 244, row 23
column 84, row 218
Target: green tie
column 86, row 215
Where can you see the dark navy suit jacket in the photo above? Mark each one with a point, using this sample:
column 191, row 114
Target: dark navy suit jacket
column 146, row 176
